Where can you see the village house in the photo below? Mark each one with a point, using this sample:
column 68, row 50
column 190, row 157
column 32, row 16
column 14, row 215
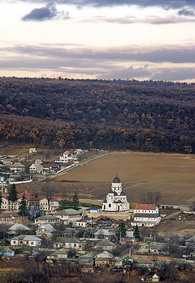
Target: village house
column 18, row 228
column 87, row 263
column 32, row 150
column 69, row 215
column 25, row 240
column 47, row 219
column 57, row 255
column 67, row 157
column 69, row 232
column 104, row 234
column 36, row 168
column 70, row 244
column 80, row 223
column 104, row 259
column 105, row 245
column 129, row 237
column 17, row 167
column 45, row 231
column 143, row 262
column 145, row 215
column 9, row 218
column 151, row 248
column 47, row 204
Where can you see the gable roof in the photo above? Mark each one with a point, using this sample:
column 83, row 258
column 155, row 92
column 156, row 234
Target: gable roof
column 31, row 238
column 18, row 227
column 191, row 239
column 48, row 227
column 26, row 238
column 137, row 206
column 105, row 254
column 105, row 242
column 69, row 211
column 105, row 232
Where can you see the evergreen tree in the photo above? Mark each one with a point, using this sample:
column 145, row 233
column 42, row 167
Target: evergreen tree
column 13, row 193
column 136, row 233
column 23, row 207
column 65, row 204
column 75, row 201
column 0, row 200
column 122, row 230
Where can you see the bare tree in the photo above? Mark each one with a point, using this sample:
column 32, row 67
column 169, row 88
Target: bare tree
column 151, row 197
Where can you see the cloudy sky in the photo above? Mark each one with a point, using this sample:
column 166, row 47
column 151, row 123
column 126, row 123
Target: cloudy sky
column 127, row 39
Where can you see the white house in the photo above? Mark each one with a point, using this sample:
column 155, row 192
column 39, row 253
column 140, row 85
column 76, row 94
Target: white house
column 32, row 150
column 26, row 240
column 116, row 200
column 67, row 157
column 80, row 223
column 47, row 219
column 146, row 215
column 70, row 244
column 69, row 215
column 45, row 231
column 36, row 168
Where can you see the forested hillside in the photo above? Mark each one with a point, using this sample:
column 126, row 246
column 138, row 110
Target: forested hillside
column 148, row 116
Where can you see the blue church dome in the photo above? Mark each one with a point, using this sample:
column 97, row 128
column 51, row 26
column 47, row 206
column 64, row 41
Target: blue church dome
column 116, row 180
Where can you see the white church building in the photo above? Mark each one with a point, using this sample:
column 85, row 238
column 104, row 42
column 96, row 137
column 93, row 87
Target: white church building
column 116, row 200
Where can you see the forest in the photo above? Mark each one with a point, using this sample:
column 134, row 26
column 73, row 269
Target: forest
column 146, row 116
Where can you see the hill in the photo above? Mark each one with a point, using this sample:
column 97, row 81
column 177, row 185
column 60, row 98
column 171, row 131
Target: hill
column 145, row 116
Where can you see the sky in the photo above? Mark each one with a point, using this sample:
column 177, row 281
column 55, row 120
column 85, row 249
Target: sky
column 98, row 39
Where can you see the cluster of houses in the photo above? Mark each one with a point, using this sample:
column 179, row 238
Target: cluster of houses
column 13, row 170
column 70, row 236
column 90, row 238
column 115, row 206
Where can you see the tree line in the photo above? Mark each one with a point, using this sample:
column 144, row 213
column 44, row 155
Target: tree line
column 114, row 115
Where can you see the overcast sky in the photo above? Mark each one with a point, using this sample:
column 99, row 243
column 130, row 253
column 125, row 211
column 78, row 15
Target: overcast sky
column 126, row 39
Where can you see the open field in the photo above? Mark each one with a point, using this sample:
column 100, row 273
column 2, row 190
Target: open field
column 171, row 174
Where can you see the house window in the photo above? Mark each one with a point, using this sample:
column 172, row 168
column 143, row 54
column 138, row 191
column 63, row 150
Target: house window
column 32, row 243
column 109, row 205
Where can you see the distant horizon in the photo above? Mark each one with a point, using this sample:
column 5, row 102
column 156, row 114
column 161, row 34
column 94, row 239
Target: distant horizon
column 94, row 79
column 98, row 39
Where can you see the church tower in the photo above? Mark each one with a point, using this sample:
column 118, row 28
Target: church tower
column 116, row 200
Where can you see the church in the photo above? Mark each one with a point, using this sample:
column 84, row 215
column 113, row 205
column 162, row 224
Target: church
column 116, row 200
